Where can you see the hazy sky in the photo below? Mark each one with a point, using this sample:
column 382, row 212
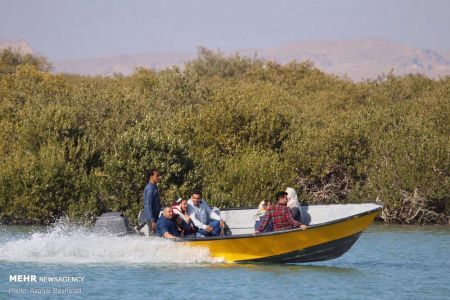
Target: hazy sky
column 94, row 28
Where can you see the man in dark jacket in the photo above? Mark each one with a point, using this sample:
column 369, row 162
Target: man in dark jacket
column 166, row 227
column 152, row 201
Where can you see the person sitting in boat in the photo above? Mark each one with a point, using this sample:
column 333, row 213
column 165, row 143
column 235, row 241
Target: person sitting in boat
column 262, row 210
column 207, row 220
column 280, row 215
column 181, row 217
column 165, row 226
column 293, row 203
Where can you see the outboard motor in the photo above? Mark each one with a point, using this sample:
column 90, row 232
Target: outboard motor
column 113, row 223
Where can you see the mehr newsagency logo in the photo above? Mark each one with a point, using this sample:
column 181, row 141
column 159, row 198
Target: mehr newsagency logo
column 55, row 279
column 63, row 284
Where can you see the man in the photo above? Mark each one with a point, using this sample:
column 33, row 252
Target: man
column 165, row 226
column 280, row 215
column 152, row 201
column 208, row 222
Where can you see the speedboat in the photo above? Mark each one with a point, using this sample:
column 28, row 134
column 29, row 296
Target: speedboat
column 332, row 230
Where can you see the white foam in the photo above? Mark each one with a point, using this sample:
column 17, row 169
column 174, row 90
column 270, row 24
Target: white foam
column 77, row 245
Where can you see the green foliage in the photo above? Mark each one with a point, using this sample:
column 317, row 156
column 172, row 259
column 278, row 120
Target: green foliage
column 240, row 129
column 210, row 64
column 246, row 178
column 41, row 187
column 136, row 151
column 9, row 60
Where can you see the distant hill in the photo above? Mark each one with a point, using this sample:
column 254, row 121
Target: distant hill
column 447, row 55
column 357, row 59
column 360, row 59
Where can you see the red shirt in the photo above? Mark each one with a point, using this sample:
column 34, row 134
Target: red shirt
column 281, row 217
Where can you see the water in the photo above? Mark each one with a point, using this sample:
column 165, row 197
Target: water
column 387, row 262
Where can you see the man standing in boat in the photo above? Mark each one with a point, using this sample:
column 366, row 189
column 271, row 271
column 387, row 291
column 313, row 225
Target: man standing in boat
column 152, row 201
column 280, row 215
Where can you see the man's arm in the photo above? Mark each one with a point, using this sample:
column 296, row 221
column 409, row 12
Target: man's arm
column 165, row 232
column 148, row 204
column 291, row 219
column 191, row 213
column 167, row 235
column 211, row 213
column 265, row 222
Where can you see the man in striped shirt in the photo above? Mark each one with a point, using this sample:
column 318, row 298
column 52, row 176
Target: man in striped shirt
column 280, row 215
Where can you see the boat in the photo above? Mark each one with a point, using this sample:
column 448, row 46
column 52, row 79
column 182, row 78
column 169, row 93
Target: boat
column 332, row 230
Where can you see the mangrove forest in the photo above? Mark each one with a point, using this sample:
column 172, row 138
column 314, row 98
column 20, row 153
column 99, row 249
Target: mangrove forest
column 238, row 128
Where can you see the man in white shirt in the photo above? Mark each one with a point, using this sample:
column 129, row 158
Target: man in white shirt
column 208, row 221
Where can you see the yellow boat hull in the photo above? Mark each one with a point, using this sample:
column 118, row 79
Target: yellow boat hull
column 318, row 242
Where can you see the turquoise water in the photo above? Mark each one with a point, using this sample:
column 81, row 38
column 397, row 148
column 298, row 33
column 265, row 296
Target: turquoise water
column 387, row 262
